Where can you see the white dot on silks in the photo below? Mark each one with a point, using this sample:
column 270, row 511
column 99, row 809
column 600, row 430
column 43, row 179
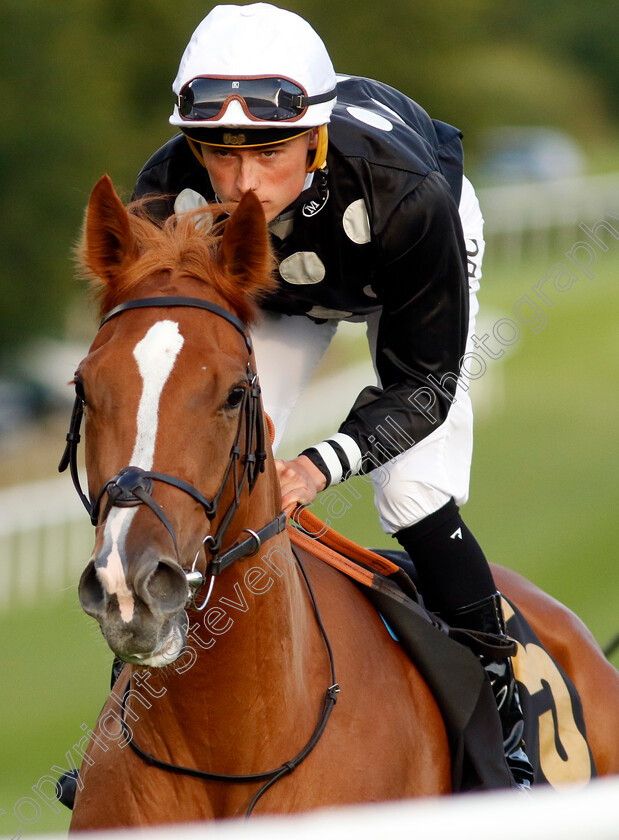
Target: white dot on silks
column 370, row 118
column 328, row 314
column 302, row 269
column 356, row 222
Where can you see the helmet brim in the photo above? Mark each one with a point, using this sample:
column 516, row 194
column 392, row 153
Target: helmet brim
column 226, row 137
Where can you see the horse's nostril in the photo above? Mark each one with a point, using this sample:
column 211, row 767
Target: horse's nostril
column 91, row 594
column 165, row 588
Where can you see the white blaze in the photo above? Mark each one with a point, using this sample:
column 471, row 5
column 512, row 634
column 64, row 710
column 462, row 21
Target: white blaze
column 112, row 575
column 156, row 356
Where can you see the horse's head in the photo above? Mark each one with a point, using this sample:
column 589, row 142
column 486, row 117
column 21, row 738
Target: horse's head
column 172, row 411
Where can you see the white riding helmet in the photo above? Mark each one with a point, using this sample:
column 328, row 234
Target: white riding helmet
column 253, row 75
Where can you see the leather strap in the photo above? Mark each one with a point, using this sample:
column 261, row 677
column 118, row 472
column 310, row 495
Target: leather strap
column 195, row 303
column 248, row 547
column 317, row 529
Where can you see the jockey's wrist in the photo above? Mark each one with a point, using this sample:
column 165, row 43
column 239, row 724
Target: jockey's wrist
column 316, row 479
column 313, row 456
column 337, row 457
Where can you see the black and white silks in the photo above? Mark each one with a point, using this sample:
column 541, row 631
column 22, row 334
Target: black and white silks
column 378, row 231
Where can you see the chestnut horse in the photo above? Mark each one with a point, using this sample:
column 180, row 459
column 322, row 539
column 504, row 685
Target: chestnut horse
column 181, row 484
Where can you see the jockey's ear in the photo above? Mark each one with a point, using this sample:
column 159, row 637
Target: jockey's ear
column 108, row 237
column 245, row 251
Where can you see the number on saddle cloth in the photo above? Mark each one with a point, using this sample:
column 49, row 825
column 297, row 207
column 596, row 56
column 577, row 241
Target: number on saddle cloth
column 555, row 732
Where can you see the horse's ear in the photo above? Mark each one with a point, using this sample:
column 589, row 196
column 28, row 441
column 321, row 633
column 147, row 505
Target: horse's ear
column 245, row 252
column 108, row 236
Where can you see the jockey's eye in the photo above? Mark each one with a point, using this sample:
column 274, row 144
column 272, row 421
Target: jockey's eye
column 235, row 397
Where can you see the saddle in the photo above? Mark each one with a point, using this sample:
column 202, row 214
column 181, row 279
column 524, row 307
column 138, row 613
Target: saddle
column 447, row 658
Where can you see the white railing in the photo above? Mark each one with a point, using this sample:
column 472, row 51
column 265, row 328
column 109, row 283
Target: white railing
column 544, row 814
column 45, row 541
column 532, row 218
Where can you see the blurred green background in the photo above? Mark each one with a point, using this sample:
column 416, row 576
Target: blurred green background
column 86, row 88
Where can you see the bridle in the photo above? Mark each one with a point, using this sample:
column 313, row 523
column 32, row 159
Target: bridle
column 133, row 486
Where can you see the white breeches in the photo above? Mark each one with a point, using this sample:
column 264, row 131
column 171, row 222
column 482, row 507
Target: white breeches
column 422, row 479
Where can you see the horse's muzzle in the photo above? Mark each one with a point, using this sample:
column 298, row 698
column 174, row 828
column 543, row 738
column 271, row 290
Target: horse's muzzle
column 143, row 617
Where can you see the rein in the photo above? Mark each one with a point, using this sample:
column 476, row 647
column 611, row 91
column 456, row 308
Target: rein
column 269, row 777
column 134, row 486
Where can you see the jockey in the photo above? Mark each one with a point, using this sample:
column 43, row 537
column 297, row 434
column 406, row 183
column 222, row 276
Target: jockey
column 371, row 220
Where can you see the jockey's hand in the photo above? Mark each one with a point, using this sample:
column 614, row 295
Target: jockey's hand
column 300, row 481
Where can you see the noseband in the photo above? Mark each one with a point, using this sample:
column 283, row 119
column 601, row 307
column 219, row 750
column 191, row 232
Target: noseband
column 133, row 486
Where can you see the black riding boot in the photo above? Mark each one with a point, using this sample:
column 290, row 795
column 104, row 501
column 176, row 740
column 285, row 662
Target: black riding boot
column 487, row 616
column 457, row 584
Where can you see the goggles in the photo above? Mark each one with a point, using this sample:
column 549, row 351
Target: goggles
column 264, row 99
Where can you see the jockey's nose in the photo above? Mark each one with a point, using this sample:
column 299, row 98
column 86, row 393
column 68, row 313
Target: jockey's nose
column 247, row 177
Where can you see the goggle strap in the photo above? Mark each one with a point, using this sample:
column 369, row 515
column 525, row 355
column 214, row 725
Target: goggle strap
column 306, row 101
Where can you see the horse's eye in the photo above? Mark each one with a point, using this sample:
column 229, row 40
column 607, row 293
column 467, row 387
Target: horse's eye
column 235, row 397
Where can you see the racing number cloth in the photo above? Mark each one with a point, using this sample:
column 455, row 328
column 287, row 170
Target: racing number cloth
column 555, row 732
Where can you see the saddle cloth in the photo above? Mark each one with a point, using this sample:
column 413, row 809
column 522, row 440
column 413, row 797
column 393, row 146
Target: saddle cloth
column 555, row 732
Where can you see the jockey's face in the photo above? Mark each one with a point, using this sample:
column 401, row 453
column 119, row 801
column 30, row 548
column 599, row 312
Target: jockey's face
column 275, row 173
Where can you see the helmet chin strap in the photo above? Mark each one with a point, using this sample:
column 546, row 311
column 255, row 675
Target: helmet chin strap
column 319, row 160
column 194, row 148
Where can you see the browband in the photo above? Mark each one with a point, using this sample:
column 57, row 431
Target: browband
column 196, row 303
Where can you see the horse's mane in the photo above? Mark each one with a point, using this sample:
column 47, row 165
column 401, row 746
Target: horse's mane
column 185, row 244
